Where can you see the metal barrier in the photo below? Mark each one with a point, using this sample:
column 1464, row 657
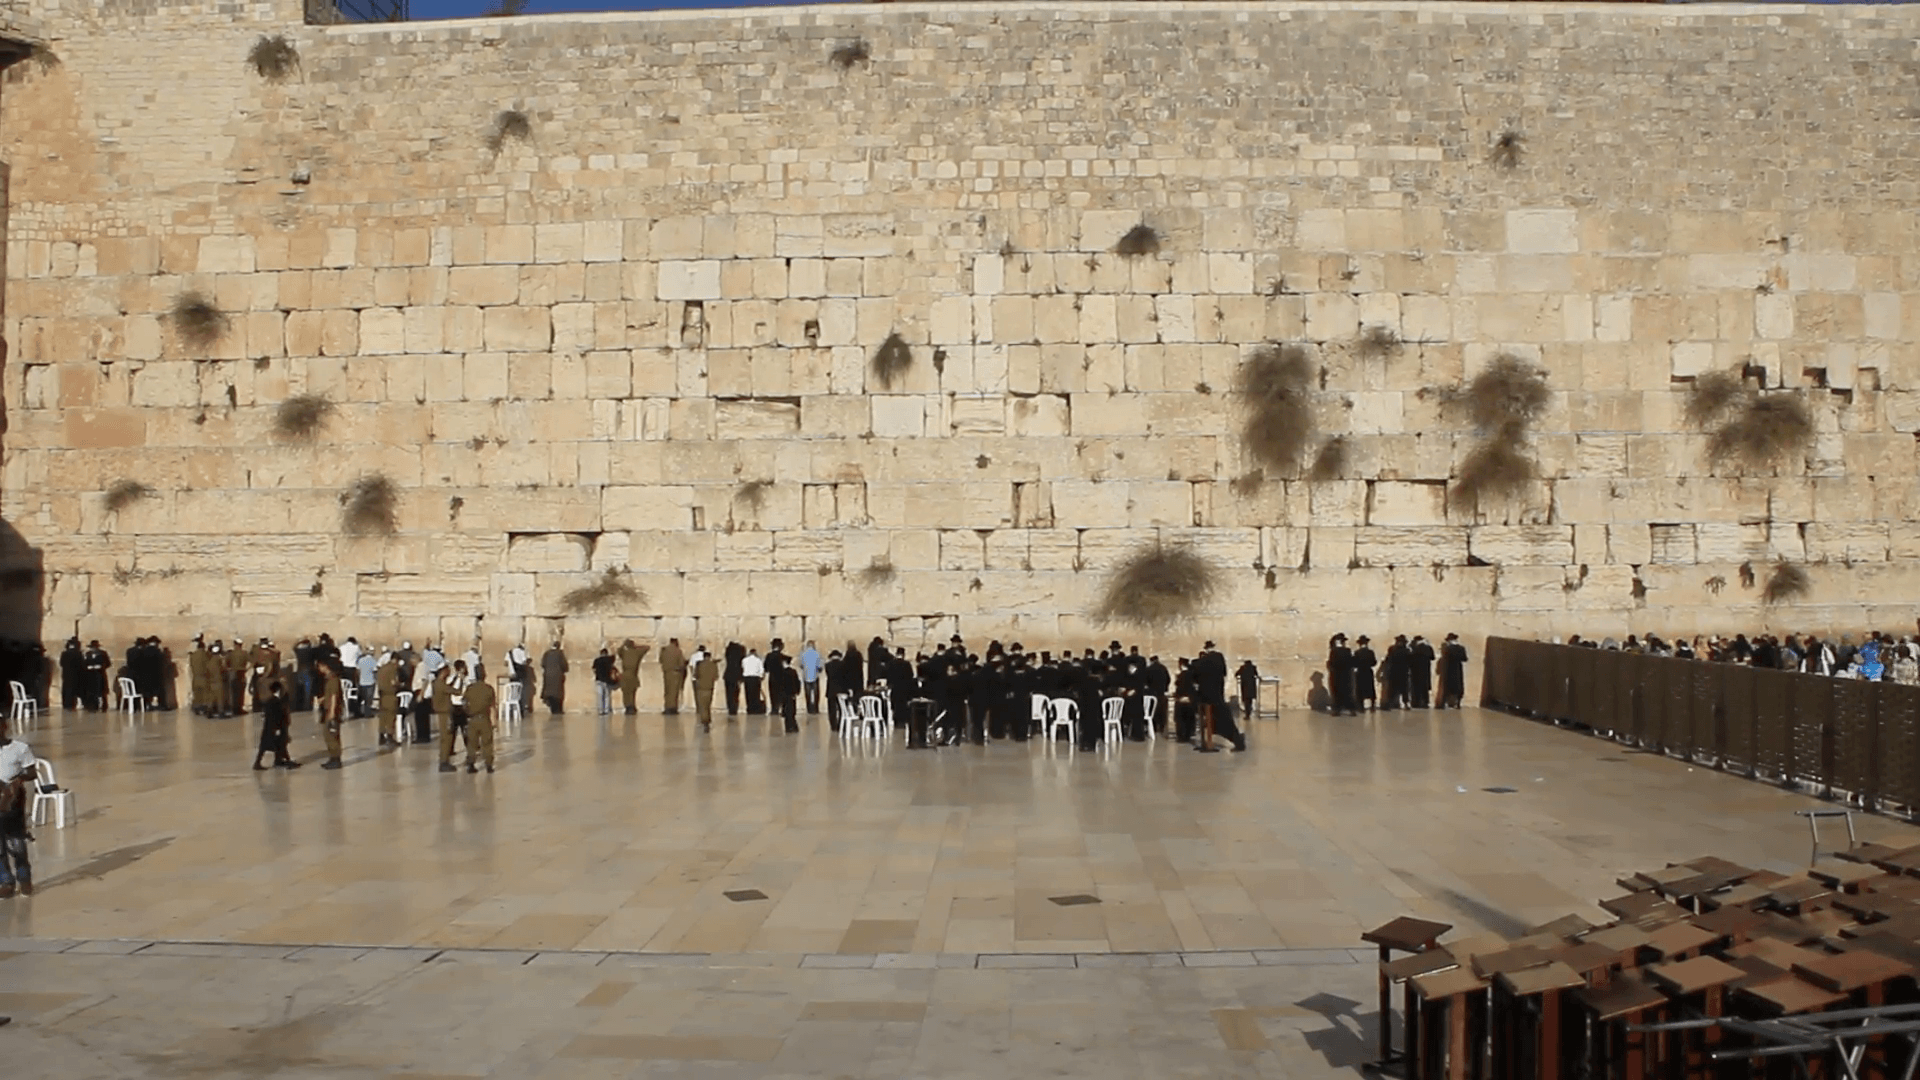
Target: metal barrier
column 1839, row 736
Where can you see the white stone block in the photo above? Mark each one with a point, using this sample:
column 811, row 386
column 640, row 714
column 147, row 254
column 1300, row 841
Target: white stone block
column 1542, row 232
column 899, row 416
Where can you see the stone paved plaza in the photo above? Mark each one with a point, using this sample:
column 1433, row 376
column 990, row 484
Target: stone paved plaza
column 569, row 915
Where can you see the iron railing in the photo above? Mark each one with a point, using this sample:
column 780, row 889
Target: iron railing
column 339, row 11
column 1844, row 738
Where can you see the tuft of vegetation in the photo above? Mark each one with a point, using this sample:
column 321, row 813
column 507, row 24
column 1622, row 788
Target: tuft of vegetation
column 370, row 507
column 1764, row 432
column 753, row 494
column 124, row 493
column 1142, row 239
column 1495, row 469
column 1713, row 395
column 1275, row 386
column 891, row 361
column 198, row 322
column 1509, row 391
column 848, row 53
column 1157, row 585
column 1377, row 342
column 1247, row 484
column 1509, row 149
column 1331, row 460
column 1787, row 582
column 273, row 58
column 611, row 589
column 878, row 574
column 509, row 124
column 301, row 416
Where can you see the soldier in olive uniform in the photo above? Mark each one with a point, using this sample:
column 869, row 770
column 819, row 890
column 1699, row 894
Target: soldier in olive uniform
column 706, row 674
column 479, row 706
column 386, row 691
column 197, row 666
column 443, row 709
column 239, row 669
column 331, row 711
column 266, row 669
column 630, row 656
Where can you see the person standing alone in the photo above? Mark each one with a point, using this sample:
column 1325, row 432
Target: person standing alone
column 604, row 680
column 1453, row 672
column 810, row 677
column 706, row 673
column 478, row 701
column 673, row 676
column 553, row 679
column 630, row 656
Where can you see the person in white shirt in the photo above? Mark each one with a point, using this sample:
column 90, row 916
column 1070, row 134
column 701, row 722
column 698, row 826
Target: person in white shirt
column 752, row 670
column 16, row 779
column 350, row 655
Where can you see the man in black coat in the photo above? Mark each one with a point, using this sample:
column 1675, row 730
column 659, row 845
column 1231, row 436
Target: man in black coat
column 73, row 674
column 731, row 660
column 1340, row 675
column 1453, row 672
column 1394, row 674
column 1420, row 673
column 1211, row 679
column 97, row 664
column 1364, row 661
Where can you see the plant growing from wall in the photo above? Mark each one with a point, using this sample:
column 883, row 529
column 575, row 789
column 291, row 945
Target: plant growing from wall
column 301, row 416
column 198, row 322
column 1509, row 149
column 273, row 58
column 1787, row 582
column 1503, row 401
column 1377, row 342
column 124, row 493
column 370, row 507
column 609, row 590
column 891, row 361
column 753, row 494
column 1142, row 239
column 877, row 574
column 1330, row 461
column 509, row 124
column 848, row 53
column 1155, row 586
column 1747, row 429
column 1274, row 386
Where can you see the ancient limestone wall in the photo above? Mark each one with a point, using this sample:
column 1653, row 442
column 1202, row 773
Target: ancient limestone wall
column 587, row 349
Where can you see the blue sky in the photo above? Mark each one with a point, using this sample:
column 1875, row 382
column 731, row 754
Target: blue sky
column 443, row 9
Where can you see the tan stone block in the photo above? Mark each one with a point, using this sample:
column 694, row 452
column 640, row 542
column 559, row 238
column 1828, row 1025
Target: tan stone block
column 339, row 333
column 382, row 330
column 1153, row 504
column 1522, row 545
column 1406, row 504
column 517, row 329
column 483, row 286
column 1332, row 316
column 342, row 245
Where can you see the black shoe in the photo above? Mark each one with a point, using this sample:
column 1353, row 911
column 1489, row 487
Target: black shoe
column 1206, row 749
column 472, row 768
column 633, row 712
column 332, row 763
column 289, row 764
column 259, row 767
column 489, row 768
column 1240, row 747
column 447, row 766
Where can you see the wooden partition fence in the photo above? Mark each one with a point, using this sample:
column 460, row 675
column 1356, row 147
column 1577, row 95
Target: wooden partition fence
column 1842, row 737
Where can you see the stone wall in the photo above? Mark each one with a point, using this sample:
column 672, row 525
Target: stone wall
column 581, row 351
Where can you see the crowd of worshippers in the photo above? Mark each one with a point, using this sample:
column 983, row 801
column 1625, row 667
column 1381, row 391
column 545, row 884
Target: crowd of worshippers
column 969, row 696
column 1360, row 679
column 1879, row 657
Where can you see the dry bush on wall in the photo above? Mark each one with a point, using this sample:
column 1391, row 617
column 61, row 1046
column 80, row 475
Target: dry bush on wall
column 610, row 590
column 1142, row 239
column 371, row 507
column 198, row 322
column 124, row 493
column 1509, row 149
column 1247, row 484
column 1377, row 342
column 273, row 58
column 301, row 416
column 1155, row 586
column 1331, row 461
column 1713, row 395
column 509, row 124
column 1275, row 386
column 1508, row 392
column 753, row 494
column 1767, row 431
column 1787, row 582
column 878, row 573
column 1495, row 469
column 848, row 53
column 891, row 361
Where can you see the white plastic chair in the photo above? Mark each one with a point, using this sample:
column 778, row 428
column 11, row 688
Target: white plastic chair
column 849, row 728
column 1111, row 711
column 25, row 708
column 130, row 700
column 1066, row 714
column 45, row 791
column 1038, row 720
column 511, row 711
column 349, row 694
column 1149, row 707
column 873, row 717
column 403, row 704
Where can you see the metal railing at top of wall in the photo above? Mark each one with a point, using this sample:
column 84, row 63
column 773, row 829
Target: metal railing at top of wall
column 325, row 12
column 1841, row 738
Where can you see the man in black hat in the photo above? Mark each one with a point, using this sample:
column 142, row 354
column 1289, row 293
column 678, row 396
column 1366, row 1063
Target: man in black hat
column 1210, row 677
column 1364, row 661
column 1453, row 672
column 1420, row 673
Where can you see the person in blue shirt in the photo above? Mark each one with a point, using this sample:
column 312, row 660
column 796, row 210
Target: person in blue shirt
column 810, row 677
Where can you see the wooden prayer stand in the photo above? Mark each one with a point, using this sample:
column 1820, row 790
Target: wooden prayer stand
column 1852, row 878
column 1699, row 985
column 1528, row 1038
column 1679, row 941
column 1730, row 924
column 1405, row 934
column 1863, row 975
column 1616, row 1052
column 1788, row 996
column 1452, row 1025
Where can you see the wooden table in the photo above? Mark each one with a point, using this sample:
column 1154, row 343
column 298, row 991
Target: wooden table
column 1527, row 1019
column 1625, row 1001
column 1404, row 934
column 1700, row 983
column 1452, row 1004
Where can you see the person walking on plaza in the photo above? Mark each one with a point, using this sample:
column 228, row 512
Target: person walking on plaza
column 1210, row 677
column 783, row 685
column 1248, row 678
column 630, row 656
column 706, row 674
column 604, row 680
column 1420, row 673
column 477, row 700
column 332, row 709
column 1453, row 672
column 810, row 677
column 553, row 679
column 752, row 671
column 276, row 730
column 16, row 774
column 443, row 691
column 673, row 676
